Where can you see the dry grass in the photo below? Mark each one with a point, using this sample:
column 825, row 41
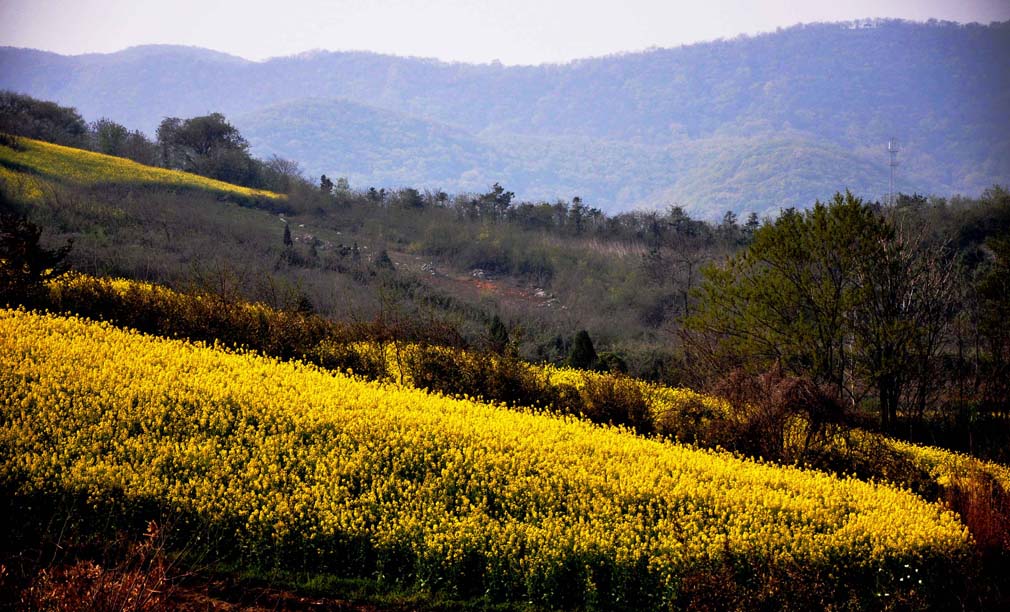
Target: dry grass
column 141, row 578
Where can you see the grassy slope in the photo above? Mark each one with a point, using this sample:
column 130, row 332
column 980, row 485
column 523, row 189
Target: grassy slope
column 178, row 236
column 89, row 168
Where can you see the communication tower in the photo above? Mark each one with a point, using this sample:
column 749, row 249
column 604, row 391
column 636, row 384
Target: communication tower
column 892, row 151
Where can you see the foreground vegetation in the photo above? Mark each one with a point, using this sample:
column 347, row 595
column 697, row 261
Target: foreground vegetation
column 811, row 355
column 300, row 465
column 786, row 427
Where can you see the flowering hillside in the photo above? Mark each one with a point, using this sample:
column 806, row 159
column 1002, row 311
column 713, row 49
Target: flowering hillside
column 89, row 168
column 445, row 492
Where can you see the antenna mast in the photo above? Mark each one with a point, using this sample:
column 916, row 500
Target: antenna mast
column 892, row 151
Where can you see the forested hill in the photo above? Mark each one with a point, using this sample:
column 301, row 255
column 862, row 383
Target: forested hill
column 753, row 123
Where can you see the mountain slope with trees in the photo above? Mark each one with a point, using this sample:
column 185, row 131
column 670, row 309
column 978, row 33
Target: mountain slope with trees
column 626, row 129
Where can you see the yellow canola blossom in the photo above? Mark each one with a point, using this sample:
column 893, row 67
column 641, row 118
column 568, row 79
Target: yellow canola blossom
column 946, row 467
column 288, row 452
column 146, row 292
column 660, row 399
column 89, row 168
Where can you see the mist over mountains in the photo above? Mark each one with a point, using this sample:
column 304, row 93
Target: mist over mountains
column 749, row 124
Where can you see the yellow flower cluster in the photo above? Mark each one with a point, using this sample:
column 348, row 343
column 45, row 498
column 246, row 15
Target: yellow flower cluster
column 660, row 399
column 88, row 168
column 943, row 465
column 291, row 452
column 20, row 184
column 146, row 292
column 947, row 467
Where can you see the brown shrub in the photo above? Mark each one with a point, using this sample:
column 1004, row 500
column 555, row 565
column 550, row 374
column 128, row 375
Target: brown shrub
column 617, row 400
column 984, row 507
column 141, row 580
column 765, row 407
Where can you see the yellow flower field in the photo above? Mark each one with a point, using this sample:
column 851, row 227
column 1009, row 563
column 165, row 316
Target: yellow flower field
column 943, row 465
column 288, row 453
column 88, row 168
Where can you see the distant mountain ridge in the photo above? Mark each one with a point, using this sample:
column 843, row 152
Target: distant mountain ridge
column 753, row 123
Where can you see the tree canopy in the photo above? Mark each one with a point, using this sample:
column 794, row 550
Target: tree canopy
column 838, row 294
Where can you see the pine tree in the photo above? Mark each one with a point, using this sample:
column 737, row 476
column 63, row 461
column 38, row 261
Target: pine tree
column 583, row 355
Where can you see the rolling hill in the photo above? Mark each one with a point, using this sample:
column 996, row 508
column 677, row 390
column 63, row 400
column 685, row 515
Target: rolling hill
column 743, row 124
column 35, row 158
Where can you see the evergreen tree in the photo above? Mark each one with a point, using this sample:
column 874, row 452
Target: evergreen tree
column 498, row 335
column 325, row 184
column 24, row 264
column 583, row 355
column 383, row 262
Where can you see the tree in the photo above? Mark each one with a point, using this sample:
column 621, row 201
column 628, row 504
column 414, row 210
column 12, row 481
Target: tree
column 583, row 355
column 384, row 262
column 24, row 264
column 22, row 115
column 729, row 229
column 784, row 301
column 576, row 212
column 209, row 146
column 750, row 227
column 325, row 184
column 410, row 198
column 498, row 335
column 280, row 175
column 109, row 137
column 376, row 195
column 899, row 317
column 288, row 242
column 993, row 288
column 495, row 203
column 836, row 294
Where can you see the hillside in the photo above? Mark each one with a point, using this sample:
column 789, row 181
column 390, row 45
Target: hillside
column 184, row 230
column 321, row 472
column 34, row 158
column 369, row 145
column 621, row 131
column 416, row 457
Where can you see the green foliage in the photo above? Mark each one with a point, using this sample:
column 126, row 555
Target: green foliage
column 383, row 262
column 613, row 363
column 994, row 294
column 786, row 298
column 557, row 267
column 498, row 336
column 25, row 116
column 25, row 264
column 583, row 355
column 111, row 138
column 836, row 294
column 208, row 146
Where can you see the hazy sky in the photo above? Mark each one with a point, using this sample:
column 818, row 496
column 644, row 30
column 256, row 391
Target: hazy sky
column 512, row 31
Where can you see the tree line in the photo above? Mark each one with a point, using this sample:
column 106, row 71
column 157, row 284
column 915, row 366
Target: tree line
column 871, row 303
column 211, row 146
column 207, row 145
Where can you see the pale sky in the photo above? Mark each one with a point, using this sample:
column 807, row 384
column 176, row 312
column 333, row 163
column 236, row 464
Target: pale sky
column 511, row 31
